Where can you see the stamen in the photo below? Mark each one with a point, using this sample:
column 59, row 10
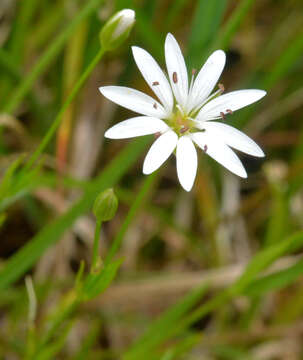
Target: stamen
column 222, row 115
column 155, row 83
column 155, row 106
column 212, row 96
column 229, row 111
column 193, row 72
column 221, row 87
column 180, row 109
column 205, row 148
column 184, row 129
column 157, row 135
column 175, row 77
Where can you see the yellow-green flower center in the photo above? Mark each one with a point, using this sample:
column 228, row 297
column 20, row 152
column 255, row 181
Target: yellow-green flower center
column 180, row 123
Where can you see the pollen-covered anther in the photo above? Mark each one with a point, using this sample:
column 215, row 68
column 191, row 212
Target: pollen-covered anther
column 175, row 77
column 184, row 129
column 205, row 148
column 222, row 115
column 155, row 83
column 157, row 134
column 221, row 87
column 155, row 106
column 229, row 111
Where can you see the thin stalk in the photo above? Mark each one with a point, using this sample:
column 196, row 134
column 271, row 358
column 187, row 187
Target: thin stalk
column 31, row 335
column 48, row 56
column 66, row 104
column 148, row 182
column 95, row 256
column 73, row 60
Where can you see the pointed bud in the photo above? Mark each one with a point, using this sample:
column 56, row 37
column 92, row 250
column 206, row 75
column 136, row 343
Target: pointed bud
column 117, row 29
column 105, row 206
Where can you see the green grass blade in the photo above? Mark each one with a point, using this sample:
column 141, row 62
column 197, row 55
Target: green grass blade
column 7, row 62
column 275, row 281
column 90, row 339
column 285, row 62
column 259, row 262
column 21, row 261
column 266, row 257
column 49, row 55
column 278, row 215
column 136, row 205
column 95, row 284
column 205, row 24
column 25, row 13
column 158, row 330
column 232, row 25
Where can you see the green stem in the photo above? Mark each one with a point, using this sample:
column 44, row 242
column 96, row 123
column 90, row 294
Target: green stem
column 48, row 56
column 66, row 104
column 140, row 197
column 96, row 256
column 64, row 310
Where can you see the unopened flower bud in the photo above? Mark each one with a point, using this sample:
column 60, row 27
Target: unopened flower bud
column 117, row 29
column 105, row 206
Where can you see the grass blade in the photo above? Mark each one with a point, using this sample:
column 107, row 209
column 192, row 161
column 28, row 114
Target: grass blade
column 205, row 24
column 45, row 60
column 21, row 261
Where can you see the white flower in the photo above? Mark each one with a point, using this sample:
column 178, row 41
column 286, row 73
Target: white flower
column 184, row 114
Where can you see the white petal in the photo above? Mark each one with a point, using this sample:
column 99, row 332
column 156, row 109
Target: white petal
column 186, row 162
column 220, row 152
column 234, row 138
column 153, row 74
column 138, row 126
column 176, row 69
column 160, row 151
column 232, row 101
column 133, row 100
column 206, row 79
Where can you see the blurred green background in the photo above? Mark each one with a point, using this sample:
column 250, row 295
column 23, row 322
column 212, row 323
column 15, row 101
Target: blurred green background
column 183, row 289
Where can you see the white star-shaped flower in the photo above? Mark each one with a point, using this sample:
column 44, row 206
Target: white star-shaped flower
column 184, row 114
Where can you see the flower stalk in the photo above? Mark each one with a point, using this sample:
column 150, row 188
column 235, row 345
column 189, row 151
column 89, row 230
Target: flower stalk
column 104, row 209
column 71, row 68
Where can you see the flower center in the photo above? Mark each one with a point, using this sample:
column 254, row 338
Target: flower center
column 180, row 123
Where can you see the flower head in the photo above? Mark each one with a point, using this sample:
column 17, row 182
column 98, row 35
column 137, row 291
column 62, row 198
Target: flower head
column 185, row 113
column 117, row 29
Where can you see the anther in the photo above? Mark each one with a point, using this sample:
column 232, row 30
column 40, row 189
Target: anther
column 175, row 77
column 205, row 148
column 155, row 106
column 155, row 83
column 184, row 129
column 157, row 134
column 229, row 111
column 222, row 115
column 221, row 87
column 193, row 71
